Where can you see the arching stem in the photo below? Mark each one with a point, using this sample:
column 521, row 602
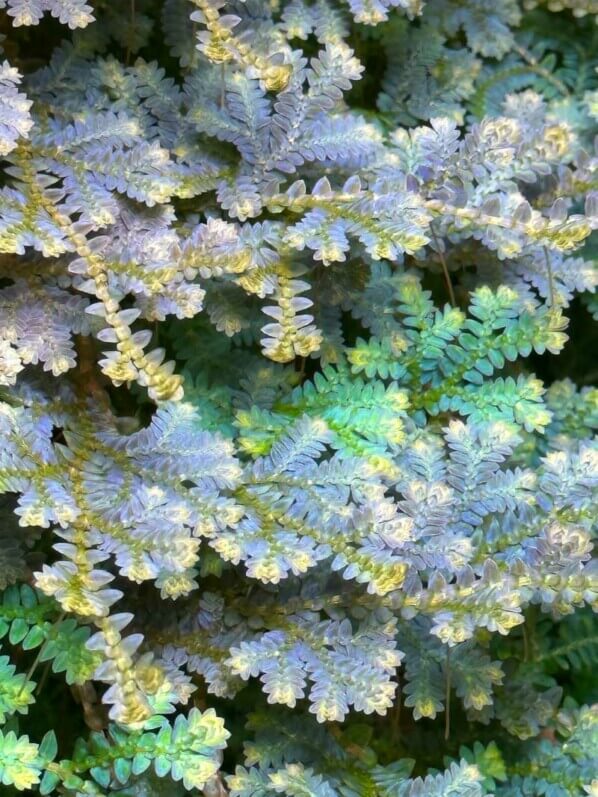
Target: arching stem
column 445, row 271
column 447, row 711
column 37, row 659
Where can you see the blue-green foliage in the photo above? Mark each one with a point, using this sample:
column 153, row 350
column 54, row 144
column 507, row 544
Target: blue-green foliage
column 284, row 436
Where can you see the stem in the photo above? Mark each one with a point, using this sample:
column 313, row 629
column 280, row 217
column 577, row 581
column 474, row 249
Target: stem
column 43, row 679
column 550, row 277
column 540, row 70
column 447, row 713
column 563, row 650
column 302, row 368
column 395, row 731
column 36, row 660
column 445, row 271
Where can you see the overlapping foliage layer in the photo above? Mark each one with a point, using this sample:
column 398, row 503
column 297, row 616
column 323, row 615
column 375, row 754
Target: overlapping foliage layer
column 297, row 497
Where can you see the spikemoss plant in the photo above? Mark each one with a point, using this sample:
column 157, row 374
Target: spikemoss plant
column 298, row 468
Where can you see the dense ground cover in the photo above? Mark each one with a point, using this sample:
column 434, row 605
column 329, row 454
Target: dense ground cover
column 297, row 416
